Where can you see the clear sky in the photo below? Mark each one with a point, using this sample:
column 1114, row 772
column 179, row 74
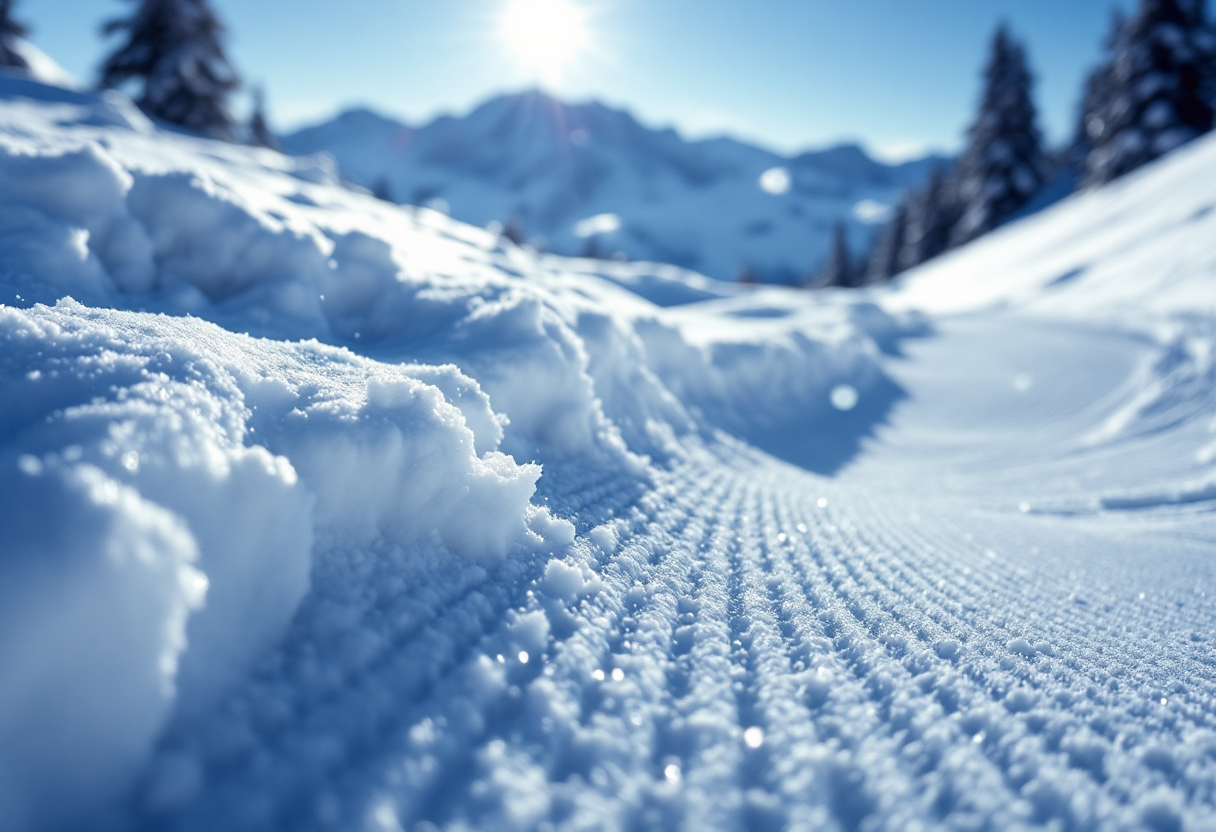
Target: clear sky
column 899, row 75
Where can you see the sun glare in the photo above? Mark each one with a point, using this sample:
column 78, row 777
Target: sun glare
column 545, row 36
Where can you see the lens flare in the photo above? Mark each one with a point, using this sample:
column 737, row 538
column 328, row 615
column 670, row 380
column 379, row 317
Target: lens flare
column 545, row 36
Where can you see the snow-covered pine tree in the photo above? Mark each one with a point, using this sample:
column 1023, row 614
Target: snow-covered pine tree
column 1002, row 167
column 1160, row 88
column 837, row 270
column 884, row 257
column 10, row 31
column 260, row 134
column 174, row 48
column 932, row 214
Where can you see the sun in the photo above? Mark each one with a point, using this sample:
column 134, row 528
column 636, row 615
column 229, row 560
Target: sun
column 545, row 36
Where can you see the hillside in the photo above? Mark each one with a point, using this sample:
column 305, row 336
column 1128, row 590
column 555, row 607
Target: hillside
column 320, row 513
column 571, row 173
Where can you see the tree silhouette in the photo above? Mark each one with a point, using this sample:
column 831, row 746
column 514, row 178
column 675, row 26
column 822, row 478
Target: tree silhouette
column 174, row 48
column 837, row 270
column 932, row 214
column 10, row 31
column 259, row 131
column 1002, row 167
column 884, row 257
column 1161, row 80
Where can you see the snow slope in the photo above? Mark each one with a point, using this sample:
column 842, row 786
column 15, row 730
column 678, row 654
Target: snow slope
column 585, row 175
column 319, row 513
column 40, row 66
column 1139, row 246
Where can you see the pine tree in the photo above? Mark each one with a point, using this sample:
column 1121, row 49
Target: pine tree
column 1099, row 91
column 174, row 47
column 1094, row 101
column 932, row 215
column 1195, row 10
column 884, row 257
column 10, row 31
column 1002, row 167
column 591, row 249
column 259, row 131
column 837, row 270
column 514, row 231
column 1205, row 42
column 1160, row 88
column 383, row 189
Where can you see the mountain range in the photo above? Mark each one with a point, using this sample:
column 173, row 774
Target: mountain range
column 588, row 179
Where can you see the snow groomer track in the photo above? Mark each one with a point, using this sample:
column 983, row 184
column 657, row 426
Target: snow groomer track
column 763, row 648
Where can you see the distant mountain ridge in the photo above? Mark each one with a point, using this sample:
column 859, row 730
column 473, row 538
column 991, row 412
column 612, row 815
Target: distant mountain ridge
column 588, row 178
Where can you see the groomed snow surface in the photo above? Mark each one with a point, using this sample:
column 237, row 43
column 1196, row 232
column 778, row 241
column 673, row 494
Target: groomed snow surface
column 317, row 513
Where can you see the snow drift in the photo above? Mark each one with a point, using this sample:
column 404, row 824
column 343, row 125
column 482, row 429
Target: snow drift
column 167, row 484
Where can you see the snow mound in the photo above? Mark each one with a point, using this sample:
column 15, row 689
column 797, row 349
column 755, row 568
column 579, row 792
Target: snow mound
column 187, row 477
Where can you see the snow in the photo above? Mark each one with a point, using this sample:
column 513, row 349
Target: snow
column 599, row 224
column 322, row 513
column 871, row 212
column 775, row 181
column 251, row 459
column 42, row 67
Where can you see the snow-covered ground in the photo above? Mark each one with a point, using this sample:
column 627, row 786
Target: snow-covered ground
column 319, row 513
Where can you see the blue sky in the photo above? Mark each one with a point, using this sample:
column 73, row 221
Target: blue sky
column 898, row 75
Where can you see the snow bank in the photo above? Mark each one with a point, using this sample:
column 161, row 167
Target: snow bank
column 763, row 367
column 164, row 482
column 234, row 235
column 125, row 436
column 96, row 585
column 161, row 227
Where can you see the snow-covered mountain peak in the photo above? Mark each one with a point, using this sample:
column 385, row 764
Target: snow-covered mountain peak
column 547, row 166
